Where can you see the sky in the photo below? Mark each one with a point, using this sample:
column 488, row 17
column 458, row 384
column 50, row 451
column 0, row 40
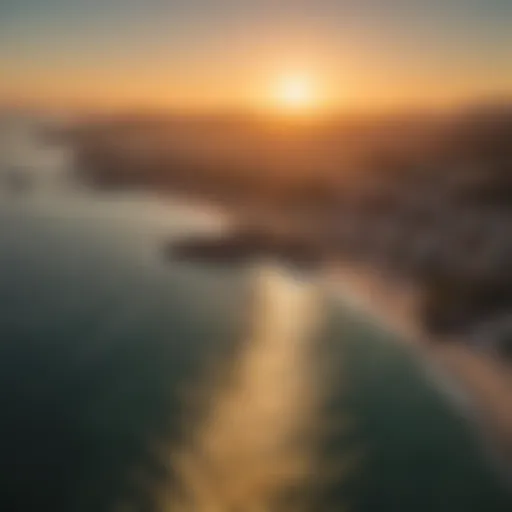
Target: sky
column 233, row 53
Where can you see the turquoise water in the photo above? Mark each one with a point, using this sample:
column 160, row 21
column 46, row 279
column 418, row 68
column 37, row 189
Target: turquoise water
column 104, row 342
column 101, row 337
column 418, row 451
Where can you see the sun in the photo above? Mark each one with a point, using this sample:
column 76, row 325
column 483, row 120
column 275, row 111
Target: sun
column 295, row 93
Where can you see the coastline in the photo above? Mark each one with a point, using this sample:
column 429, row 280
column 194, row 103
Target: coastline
column 479, row 385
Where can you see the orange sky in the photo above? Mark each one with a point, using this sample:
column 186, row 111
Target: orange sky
column 222, row 54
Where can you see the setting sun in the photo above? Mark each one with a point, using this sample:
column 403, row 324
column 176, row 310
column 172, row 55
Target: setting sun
column 295, row 93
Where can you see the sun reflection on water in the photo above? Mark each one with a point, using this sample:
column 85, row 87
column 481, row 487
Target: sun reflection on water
column 256, row 442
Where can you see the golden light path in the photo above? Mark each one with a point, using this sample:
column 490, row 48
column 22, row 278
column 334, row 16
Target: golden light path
column 243, row 455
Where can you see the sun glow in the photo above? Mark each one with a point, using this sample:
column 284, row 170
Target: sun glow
column 295, row 93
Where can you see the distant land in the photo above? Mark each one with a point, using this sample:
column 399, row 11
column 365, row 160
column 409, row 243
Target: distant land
column 426, row 199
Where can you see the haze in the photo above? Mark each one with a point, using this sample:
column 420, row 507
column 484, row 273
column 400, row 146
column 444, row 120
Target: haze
column 222, row 54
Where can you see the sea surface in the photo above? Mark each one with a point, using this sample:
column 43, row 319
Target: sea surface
column 132, row 380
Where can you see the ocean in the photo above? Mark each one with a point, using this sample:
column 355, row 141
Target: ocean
column 131, row 381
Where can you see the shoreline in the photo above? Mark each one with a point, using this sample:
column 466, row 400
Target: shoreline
column 478, row 385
